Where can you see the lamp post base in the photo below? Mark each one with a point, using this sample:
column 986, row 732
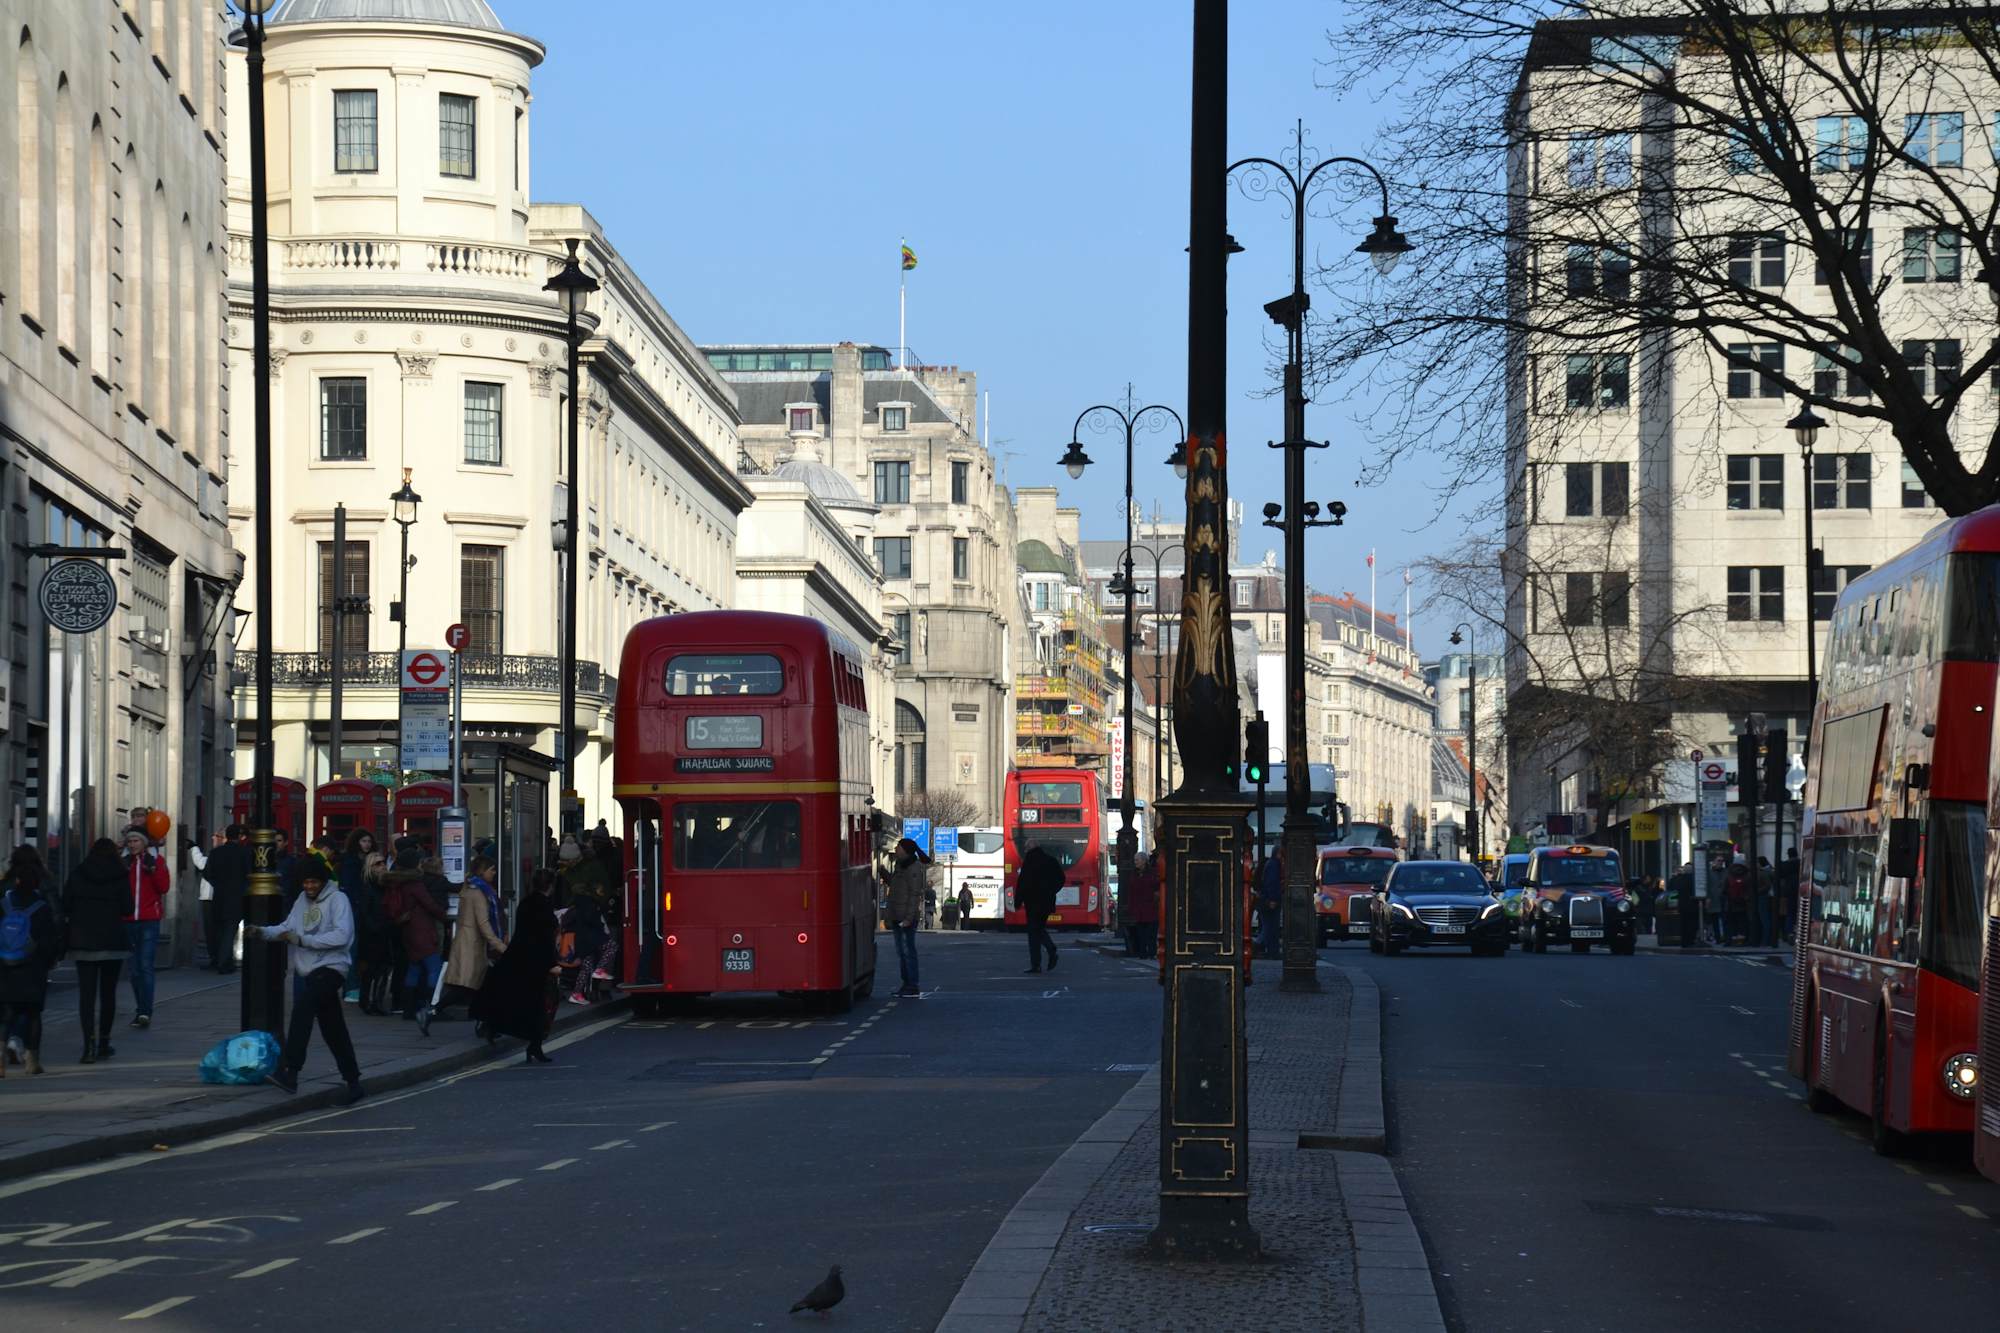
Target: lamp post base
column 1301, row 930
column 1200, row 1229
column 264, row 964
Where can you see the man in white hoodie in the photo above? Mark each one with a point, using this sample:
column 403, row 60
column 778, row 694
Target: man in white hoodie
column 320, row 929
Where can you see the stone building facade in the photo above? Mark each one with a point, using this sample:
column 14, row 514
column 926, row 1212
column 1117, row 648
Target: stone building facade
column 114, row 424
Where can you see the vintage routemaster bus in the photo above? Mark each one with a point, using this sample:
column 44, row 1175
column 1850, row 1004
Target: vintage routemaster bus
column 741, row 765
column 1891, row 900
column 1060, row 810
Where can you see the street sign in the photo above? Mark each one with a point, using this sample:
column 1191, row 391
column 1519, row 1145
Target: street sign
column 919, row 832
column 1695, row 755
column 1117, row 763
column 425, row 713
column 1516, row 845
column 944, row 844
column 1645, row 828
column 456, row 637
column 78, row 596
column 453, row 824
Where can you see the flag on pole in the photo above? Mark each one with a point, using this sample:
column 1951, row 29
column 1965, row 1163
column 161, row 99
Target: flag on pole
column 909, row 258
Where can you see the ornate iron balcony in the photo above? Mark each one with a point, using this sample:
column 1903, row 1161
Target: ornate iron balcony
column 489, row 671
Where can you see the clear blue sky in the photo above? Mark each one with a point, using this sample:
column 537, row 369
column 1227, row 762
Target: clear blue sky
column 759, row 163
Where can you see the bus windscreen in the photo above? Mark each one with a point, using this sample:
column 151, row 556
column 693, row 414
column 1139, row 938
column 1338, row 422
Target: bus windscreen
column 699, row 674
column 1051, row 793
column 1066, row 845
column 736, row 835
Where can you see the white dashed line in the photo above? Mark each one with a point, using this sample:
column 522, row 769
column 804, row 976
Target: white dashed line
column 1741, row 1010
column 1972, row 1212
column 262, row 1269
column 430, row 1208
column 500, row 1184
column 353, row 1236
column 559, row 1164
column 1571, row 1003
column 164, row 1306
column 657, row 1124
column 609, row 1144
column 1936, row 1188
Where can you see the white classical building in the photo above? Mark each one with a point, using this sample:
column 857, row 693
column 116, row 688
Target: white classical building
column 114, row 431
column 412, row 336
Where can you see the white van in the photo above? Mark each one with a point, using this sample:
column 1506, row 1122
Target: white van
column 980, row 866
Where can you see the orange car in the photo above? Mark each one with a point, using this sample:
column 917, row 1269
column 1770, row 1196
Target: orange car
column 1348, row 878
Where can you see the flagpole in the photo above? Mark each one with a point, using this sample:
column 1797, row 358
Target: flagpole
column 902, row 306
column 1373, row 635
column 1409, row 631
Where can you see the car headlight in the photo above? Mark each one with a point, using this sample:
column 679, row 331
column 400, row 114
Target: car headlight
column 1489, row 911
column 1548, row 906
column 1624, row 904
column 1404, row 910
column 1961, row 1075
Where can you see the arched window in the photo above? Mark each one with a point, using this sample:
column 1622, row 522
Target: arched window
column 66, row 209
column 28, row 173
column 911, row 750
column 99, row 276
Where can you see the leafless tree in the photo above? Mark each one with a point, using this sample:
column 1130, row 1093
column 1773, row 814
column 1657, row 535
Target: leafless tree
column 1756, row 198
column 944, row 809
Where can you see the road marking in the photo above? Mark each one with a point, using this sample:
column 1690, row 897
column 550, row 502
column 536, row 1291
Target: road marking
column 1795, row 1096
column 430, row 1208
column 353, row 1236
column 1972, row 1212
column 1906, row 1168
column 559, row 1164
column 380, row 1129
column 1741, row 1010
column 171, row 1303
column 1936, row 1188
column 704, row 1026
column 1572, row 1004
column 578, row 1124
column 609, row 1144
column 262, row 1269
column 657, row 1124
column 94, row 1269
column 500, row 1184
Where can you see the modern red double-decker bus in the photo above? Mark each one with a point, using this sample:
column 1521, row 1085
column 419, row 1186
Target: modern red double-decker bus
column 1060, row 810
column 1892, row 906
column 741, row 765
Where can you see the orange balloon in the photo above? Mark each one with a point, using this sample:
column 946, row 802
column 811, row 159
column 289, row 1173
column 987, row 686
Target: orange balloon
column 157, row 825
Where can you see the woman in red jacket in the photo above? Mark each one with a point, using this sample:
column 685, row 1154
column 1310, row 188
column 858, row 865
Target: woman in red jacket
column 146, row 882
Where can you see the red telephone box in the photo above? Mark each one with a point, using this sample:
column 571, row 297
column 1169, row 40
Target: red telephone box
column 288, row 808
column 417, row 807
column 348, row 804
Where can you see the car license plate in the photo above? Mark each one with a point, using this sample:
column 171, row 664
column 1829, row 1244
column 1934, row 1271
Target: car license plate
column 1357, row 927
column 736, row 960
column 1586, row 933
column 1448, row 928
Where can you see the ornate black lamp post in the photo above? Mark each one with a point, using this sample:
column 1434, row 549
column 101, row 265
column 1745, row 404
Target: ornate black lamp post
column 1075, row 461
column 574, row 287
column 403, row 504
column 264, row 965
column 1805, row 427
column 1474, row 808
column 1384, row 245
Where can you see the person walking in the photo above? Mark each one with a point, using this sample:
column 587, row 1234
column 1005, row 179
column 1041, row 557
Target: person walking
column 1036, row 885
column 146, row 882
column 596, row 947
column 964, row 908
column 1687, row 909
column 94, row 904
column 930, row 907
column 514, row 1000
column 1764, row 919
column 907, row 882
column 1736, row 890
column 229, row 871
column 30, row 942
column 417, row 916
column 374, row 949
column 320, row 929
column 476, row 941
column 1788, row 893
column 205, row 893
column 1141, row 907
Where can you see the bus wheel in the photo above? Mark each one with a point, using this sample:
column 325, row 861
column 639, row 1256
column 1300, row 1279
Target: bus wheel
column 1887, row 1142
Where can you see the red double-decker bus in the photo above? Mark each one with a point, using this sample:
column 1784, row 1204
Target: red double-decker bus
column 1892, row 906
column 741, row 765
column 1059, row 809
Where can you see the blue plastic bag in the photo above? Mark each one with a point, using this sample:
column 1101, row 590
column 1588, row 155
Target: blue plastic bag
column 248, row 1057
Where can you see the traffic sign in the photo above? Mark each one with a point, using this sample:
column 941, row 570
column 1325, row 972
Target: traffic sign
column 457, row 637
column 1695, row 755
column 78, row 596
column 1713, row 772
column 944, row 844
column 919, row 832
column 425, row 714
column 424, row 670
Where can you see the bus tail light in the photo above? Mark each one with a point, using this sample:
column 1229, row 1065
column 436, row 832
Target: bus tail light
column 672, row 940
column 1093, row 900
column 802, row 937
column 1961, row 1075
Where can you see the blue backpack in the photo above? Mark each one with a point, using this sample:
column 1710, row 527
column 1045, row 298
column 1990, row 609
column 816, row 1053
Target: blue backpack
column 17, row 929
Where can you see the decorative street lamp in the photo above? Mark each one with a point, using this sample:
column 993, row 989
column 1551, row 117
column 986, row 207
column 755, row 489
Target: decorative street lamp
column 1805, row 428
column 264, row 965
column 1474, row 806
column 573, row 287
column 1075, row 461
column 1384, row 246
column 403, row 504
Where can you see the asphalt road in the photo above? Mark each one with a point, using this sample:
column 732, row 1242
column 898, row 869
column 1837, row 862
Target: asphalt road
column 699, row 1173
column 1612, row 1143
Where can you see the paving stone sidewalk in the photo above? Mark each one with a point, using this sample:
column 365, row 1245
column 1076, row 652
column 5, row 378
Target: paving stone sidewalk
column 1340, row 1251
column 151, row 1091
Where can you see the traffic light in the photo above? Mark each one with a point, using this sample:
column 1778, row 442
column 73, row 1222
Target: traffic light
column 1777, row 764
column 1748, row 765
column 1257, row 750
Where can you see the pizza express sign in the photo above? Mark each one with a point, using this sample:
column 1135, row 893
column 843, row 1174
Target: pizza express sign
column 78, row 596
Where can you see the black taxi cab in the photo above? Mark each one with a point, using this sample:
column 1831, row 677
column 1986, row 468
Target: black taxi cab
column 1576, row 896
column 1345, row 887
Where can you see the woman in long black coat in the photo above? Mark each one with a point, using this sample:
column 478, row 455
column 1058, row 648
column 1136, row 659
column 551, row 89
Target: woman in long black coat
column 513, row 1000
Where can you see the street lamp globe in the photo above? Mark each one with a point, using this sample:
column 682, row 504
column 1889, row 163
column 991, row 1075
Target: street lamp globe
column 259, row 7
column 1177, row 460
column 1075, row 460
column 1806, row 426
column 1385, row 245
column 406, row 502
column 1455, row 639
column 571, row 284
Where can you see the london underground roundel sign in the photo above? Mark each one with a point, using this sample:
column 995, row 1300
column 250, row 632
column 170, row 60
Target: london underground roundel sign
column 78, row 596
column 426, row 669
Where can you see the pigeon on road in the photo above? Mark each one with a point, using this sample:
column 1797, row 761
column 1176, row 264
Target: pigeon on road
column 825, row 1296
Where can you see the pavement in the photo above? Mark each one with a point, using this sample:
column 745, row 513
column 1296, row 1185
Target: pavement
column 150, row 1092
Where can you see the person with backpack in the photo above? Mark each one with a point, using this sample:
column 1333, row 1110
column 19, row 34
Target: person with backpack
column 30, row 942
column 147, row 880
column 94, row 903
column 417, row 915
